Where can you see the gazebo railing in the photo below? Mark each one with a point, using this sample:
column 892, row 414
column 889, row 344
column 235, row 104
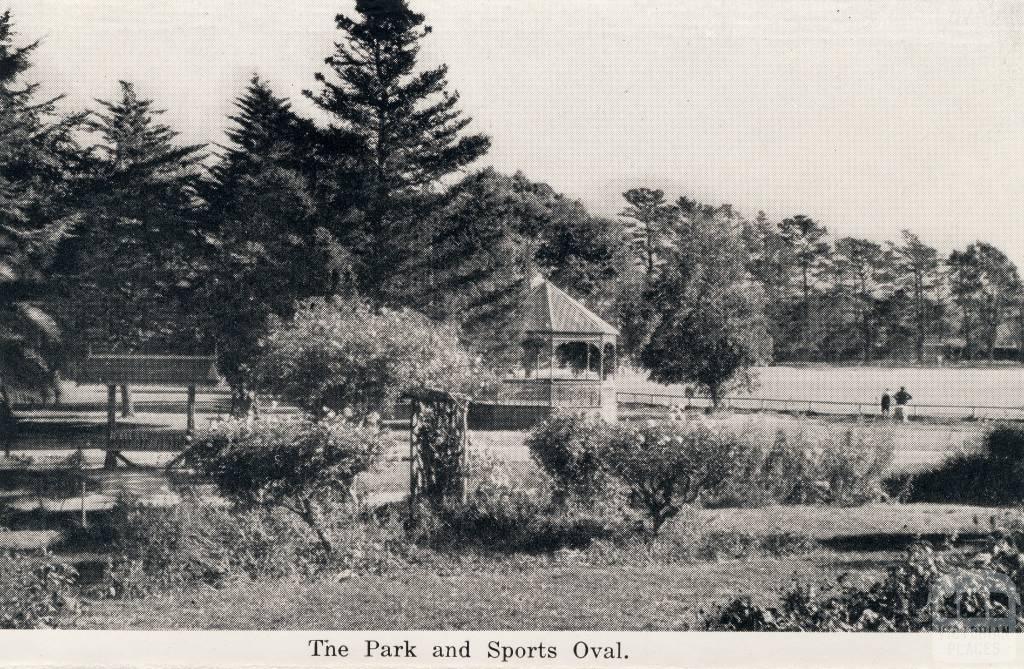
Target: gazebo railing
column 569, row 393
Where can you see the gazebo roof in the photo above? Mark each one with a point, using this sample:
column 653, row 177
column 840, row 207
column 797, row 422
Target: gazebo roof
column 550, row 310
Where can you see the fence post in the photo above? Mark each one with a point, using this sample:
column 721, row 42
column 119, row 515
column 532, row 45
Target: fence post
column 190, row 411
column 81, row 483
column 110, row 460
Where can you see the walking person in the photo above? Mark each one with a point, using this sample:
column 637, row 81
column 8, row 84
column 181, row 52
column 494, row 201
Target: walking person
column 902, row 397
column 886, row 403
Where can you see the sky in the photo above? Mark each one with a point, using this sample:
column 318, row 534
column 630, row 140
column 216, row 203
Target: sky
column 869, row 116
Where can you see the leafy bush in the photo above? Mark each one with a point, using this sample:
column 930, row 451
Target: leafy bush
column 780, row 471
column 35, row 592
column 509, row 511
column 902, row 602
column 338, row 354
column 994, row 476
column 667, row 464
column 569, row 447
column 846, row 468
column 853, row 466
column 195, row 541
column 303, row 465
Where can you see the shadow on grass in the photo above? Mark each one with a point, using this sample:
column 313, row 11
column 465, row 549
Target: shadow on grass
column 896, row 541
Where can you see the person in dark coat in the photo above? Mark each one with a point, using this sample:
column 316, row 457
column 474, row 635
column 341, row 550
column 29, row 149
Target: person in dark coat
column 902, row 397
column 886, row 403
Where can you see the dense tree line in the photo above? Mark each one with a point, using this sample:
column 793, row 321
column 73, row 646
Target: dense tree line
column 114, row 235
column 842, row 299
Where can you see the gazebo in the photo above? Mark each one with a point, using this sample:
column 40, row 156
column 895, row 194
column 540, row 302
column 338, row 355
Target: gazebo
column 569, row 359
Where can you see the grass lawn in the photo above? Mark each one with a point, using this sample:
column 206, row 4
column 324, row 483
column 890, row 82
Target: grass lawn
column 555, row 591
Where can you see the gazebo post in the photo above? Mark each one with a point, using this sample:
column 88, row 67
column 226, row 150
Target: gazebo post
column 551, row 370
column 600, row 360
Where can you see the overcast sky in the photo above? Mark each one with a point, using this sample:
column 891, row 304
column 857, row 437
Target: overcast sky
column 869, row 116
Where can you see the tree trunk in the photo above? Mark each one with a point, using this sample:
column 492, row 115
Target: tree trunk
column 919, row 298
column 806, row 325
column 308, row 514
column 968, row 352
column 650, row 252
column 127, row 405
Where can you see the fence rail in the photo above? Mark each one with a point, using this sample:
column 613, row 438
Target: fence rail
column 834, row 407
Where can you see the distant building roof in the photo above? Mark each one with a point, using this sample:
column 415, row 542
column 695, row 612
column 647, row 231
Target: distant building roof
column 141, row 369
column 550, row 309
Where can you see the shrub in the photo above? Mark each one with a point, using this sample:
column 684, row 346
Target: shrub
column 303, row 465
column 902, row 602
column 35, row 592
column 196, row 541
column 667, row 464
column 339, row 354
column 509, row 511
column 853, row 466
column 995, row 475
column 569, row 447
column 844, row 469
column 781, row 471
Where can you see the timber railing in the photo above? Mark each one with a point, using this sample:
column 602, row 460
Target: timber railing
column 831, row 407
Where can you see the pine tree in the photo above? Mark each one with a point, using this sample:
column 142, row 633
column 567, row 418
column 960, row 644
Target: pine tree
column 809, row 250
column 270, row 247
column 483, row 241
column 650, row 219
column 865, row 264
column 403, row 127
column 38, row 160
column 128, row 274
column 918, row 266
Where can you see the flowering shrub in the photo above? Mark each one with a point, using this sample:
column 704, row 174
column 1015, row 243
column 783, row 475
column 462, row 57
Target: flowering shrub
column 34, row 593
column 665, row 465
column 570, row 448
column 928, row 589
column 306, row 466
column 340, row 355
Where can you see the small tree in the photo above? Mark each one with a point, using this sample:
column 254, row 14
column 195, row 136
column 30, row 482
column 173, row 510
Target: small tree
column 346, row 355
column 304, row 465
column 712, row 328
column 666, row 465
